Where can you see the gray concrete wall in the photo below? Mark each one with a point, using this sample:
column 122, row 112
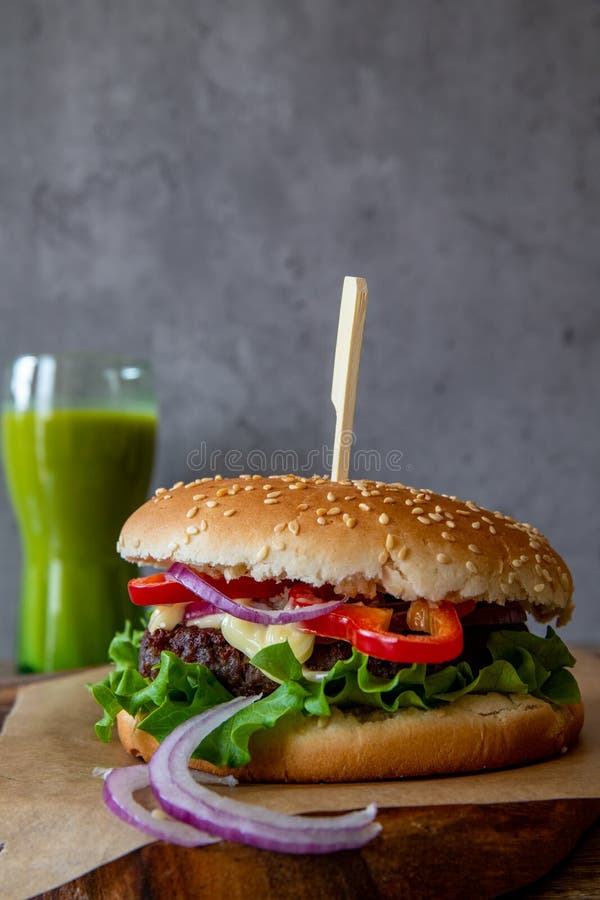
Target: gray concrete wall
column 191, row 181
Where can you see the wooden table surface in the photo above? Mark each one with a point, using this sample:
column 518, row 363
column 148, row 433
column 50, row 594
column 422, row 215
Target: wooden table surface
column 433, row 852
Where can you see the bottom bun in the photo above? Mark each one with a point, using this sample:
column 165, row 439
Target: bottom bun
column 480, row 731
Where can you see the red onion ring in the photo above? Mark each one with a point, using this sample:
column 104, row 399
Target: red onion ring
column 117, row 794
column 261, row 616
column 189, row 802
column 197, row 609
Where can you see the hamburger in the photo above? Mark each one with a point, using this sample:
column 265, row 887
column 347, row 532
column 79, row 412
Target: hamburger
column 384, row 628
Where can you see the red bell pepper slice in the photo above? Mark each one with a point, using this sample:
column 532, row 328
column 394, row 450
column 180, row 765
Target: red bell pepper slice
column 161, row 590
column 365, row 627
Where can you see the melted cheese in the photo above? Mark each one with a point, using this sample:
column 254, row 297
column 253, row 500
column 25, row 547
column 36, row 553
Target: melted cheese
column 250, row 638
column 166, row 617
column 245, row 636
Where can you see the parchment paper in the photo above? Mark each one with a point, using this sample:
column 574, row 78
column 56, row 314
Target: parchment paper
column 54, row 827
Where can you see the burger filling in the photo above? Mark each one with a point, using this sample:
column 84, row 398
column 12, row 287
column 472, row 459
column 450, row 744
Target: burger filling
column 307, row 650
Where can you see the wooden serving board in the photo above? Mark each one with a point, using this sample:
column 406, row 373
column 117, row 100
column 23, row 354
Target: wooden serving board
column 437, row 852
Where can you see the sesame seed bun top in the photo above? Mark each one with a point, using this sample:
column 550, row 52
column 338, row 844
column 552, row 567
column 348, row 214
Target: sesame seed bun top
column 360, row 536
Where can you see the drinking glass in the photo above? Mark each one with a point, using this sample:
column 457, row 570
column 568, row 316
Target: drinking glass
column 78, row 433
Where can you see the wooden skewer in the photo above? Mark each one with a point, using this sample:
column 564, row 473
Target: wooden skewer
column 353, row 310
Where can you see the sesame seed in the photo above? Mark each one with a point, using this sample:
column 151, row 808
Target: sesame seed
column 218, row 478
column 476, row 525
column 366, row 493
column 321, row 520
column 294, row 526
column 388, row 500
column 424, row 520
column 375, row 493
column 302, row 506
column 364, row 506
column 450, row 524
column 331, row 497
column 267, row 487
column 538, row 569
column 350, row 522
column 438, row 509
column 177, row 484
column 136, row 543
column 166, row 497
column 173, row 546
column 334, row 511
column 448, row 515
column 383, row 557
column 534, row 545
column 321, row 510
column 234, row 489
column 448, row 537
column 262, row 553
column 199, row 497
column 408, row 502
column 463, row 512
column 211, row 504
column 203, row 524
column 486, row 520
column 402, row 552
column 192, row 529
column 442, row 558
column 515, row 563
column 565, row 579
column 186, row 539
column 435, row 517
column 471, row 567
column 511, row 577
column 538, row 588
column 278, row 544
column 474, row 548
column 249, row 487
column 221, row 492
column 389, row 541
column 272, row 494
column 160, row 490
column 270, row 501
column 492, row 529
column 471, row 505
column 384, row 519
column 279, row 527
column 191, row 512
column 350, row 497
column 546, row 574
column 416, row 511
column 547, row 557
column 228, row 513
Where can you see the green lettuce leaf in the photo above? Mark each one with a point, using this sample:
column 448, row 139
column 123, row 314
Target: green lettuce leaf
column 521, row 663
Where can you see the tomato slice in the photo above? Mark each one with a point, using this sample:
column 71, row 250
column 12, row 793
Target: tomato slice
column 161, row 590
column 365, row 627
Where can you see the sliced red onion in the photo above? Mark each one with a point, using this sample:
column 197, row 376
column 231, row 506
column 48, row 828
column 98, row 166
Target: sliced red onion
column 197, row 609
column 117, row 793
column 233, row 820
column 202, row 588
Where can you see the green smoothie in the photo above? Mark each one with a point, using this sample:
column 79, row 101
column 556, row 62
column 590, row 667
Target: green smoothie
column 74, row 475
